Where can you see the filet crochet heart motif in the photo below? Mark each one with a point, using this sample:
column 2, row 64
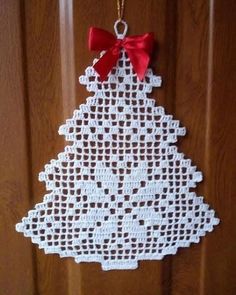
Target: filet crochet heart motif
column 120, row 192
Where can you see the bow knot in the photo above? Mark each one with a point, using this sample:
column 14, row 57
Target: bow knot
column 138, row 49
column 117, row 46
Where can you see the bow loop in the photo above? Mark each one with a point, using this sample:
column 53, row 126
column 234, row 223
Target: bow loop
column 138, row 49
column 100, row 39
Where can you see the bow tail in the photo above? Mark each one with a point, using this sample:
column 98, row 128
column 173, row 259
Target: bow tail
column 140, row 60
column 104, row 65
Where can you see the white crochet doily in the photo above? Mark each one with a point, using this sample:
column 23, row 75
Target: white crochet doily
column 121, row 192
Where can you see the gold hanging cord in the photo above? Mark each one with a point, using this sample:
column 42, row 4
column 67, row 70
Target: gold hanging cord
column 120, row 9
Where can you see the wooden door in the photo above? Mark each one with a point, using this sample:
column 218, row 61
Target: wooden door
column 43, row 50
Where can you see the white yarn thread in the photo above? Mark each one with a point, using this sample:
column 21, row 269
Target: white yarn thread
column 121, row 191
column 120, row 35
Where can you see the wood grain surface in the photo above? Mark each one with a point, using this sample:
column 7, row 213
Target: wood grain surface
column 43, row 50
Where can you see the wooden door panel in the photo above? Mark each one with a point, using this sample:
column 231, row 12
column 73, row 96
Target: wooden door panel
column 17, row 269
column 192, row 38
column 43, row 49
column 219, row 250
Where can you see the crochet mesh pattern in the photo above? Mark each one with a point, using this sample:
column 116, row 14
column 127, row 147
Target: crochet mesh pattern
column 121, row 192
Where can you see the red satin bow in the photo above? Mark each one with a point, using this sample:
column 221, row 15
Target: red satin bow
column 138, row 49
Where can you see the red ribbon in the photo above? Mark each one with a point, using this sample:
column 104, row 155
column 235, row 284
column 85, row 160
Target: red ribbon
column 138, row 49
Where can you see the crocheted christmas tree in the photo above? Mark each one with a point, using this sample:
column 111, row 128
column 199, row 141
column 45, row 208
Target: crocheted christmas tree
column 120, row 192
